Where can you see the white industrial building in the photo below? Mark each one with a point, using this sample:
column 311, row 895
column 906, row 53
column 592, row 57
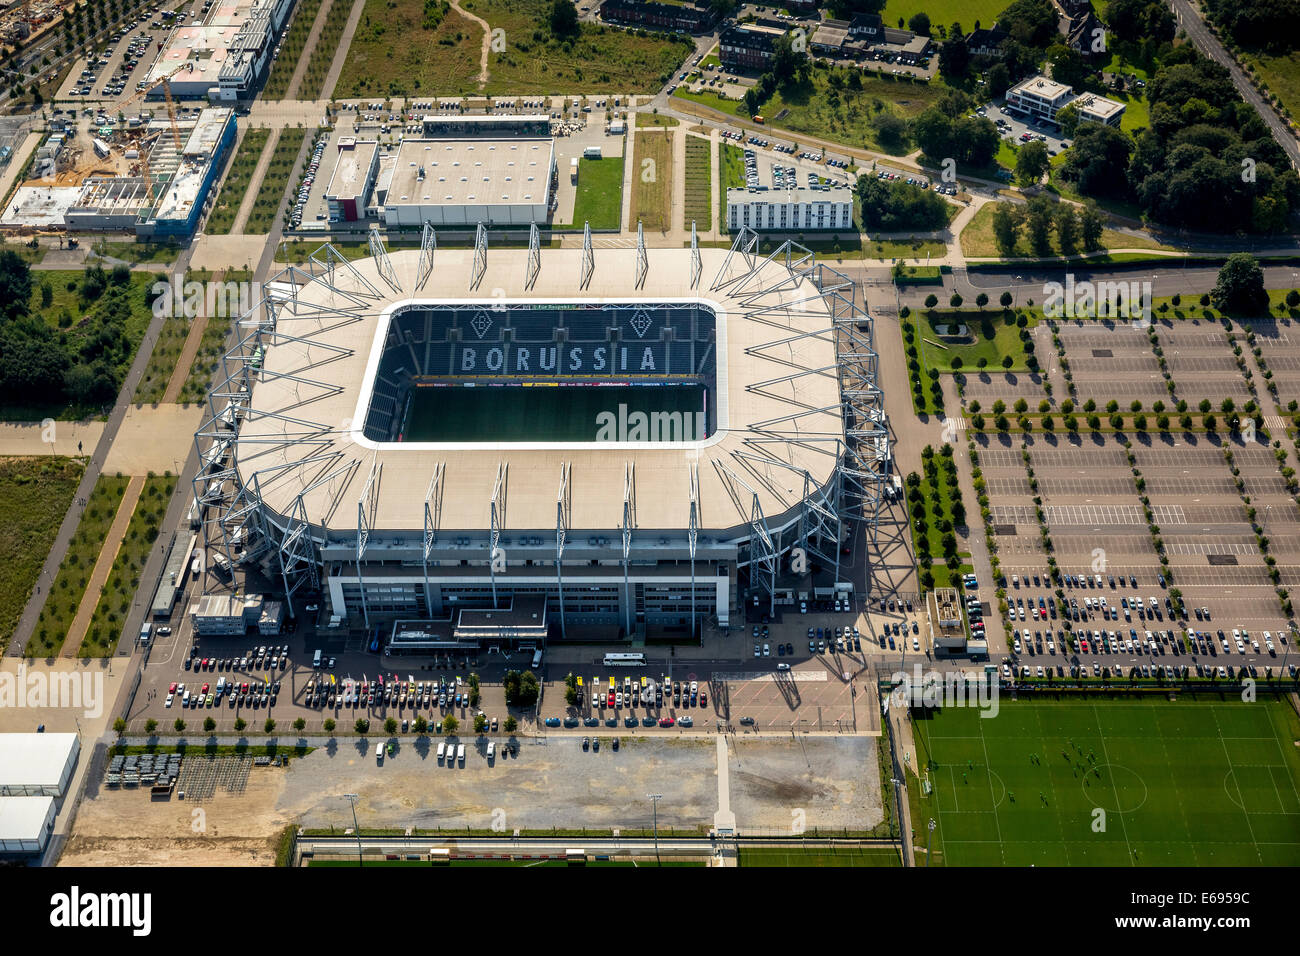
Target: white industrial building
column 354, row 175
column 1043, row 98
column 790, row 210
column 25, row 824
column 462, row 182
column 37, row 765
column 226, row 56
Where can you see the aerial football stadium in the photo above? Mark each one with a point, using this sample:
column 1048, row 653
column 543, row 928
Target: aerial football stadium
column 506, row 444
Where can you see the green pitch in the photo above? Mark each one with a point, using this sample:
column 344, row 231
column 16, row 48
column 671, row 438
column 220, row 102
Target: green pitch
column 1183, row 783
column 510, row 414
column 819, row 856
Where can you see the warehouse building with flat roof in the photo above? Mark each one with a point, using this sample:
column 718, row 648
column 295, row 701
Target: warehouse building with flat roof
column 462, row 182
column 25, row 824
column 37, row 765
column 353, row 179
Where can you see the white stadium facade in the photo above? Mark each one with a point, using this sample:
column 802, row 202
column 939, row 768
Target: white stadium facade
column 310, row 477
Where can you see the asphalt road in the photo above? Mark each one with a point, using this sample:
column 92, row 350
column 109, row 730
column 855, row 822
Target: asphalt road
column 1189, row 19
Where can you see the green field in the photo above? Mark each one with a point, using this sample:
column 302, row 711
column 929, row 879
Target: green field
column 291, row 47
column 819, row 856
column 698, row 183
column 1209, row 782
column 35, row 493
column 945, row 12
column 539, row 414
column 652, row 181
column 846, row 116
column 600, row 193
column 237, row 181
column 1282, row 76
column 271, row 195
column 992, row 334
column 64, row 597
column 105, row 628
column 393, row 54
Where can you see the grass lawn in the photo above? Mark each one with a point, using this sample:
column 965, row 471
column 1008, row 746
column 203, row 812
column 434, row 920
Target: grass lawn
column 811, row 110
column 819, row 856
column 162, row 361
column 393, row 54
column 992, row 335
column 698, row 184
column 652, row 181
column 1192, row 782
column 35, row 494
column 212, row 343
column 1189, row 307
column 137, row 252
column 271, row 195
column 237, row 181
column 600, row 192
column 977, row 240
column 120, row 589
column 945, row 12
column 322, row 54
column 1282, row 75
column 650, row 120
column 291, row 47
column 65, row 595
column 731, row 173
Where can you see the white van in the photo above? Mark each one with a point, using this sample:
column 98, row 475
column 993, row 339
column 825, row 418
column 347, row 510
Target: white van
column 492, row 750
column 460, row 754
column 315, row 661
column 442, row 750
column 379, row 753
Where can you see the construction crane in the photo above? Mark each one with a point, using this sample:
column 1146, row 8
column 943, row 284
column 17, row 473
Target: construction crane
column 165, row 82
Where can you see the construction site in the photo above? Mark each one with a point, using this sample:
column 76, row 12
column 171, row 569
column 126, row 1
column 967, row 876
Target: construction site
column 150, row 175
column 20, row 20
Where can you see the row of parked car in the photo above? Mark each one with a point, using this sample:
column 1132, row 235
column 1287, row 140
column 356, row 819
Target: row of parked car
column 304, row 190
column 257, row 658
column 248, row 693
column 628, row 721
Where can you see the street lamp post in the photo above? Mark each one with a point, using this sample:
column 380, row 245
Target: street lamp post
column 356, row 828
column 654, row 802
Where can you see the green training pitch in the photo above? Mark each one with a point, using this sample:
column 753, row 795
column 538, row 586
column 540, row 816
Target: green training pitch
column 820, row 857
column 1181, row 783
column 542, row 413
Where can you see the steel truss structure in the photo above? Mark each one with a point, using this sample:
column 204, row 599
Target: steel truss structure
column 828, row 511
column 319, row 455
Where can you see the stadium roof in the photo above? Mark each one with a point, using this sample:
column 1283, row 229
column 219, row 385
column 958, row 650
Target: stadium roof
column 778, row 402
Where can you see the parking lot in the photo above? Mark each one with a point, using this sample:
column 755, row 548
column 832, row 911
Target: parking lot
column 1118, row 609
column 1016, row 128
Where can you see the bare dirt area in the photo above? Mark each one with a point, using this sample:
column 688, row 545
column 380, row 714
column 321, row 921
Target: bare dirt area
column 129, row 828
column 816, row 782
